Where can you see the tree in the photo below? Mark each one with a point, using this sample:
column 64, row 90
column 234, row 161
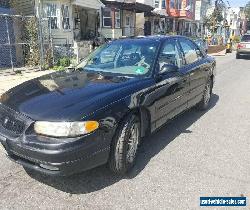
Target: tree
column 247, row 10
column 215, row 19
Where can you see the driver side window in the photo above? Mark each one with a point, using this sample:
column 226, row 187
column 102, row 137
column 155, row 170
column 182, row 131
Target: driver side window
column 191, row 51
column 170, row 55
column 109, row 54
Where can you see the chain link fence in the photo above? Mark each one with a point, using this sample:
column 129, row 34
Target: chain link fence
column 27, row 43
column 17, row 42
column 55, row 53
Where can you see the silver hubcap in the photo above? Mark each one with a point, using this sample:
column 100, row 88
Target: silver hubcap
column 207, row 94
column 133, row 143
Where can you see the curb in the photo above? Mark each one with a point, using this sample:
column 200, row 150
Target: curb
column 221, row 53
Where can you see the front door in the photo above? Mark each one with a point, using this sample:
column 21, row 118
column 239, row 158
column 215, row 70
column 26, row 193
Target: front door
column 147, row 28
column 172, row 87
column 128, row 25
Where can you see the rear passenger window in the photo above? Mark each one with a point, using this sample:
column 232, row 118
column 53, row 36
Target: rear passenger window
column 245, row 38
column 191, row 51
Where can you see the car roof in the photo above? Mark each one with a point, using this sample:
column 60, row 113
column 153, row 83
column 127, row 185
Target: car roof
column 154, row 37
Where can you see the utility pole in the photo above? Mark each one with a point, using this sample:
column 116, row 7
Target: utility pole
column 39, row 8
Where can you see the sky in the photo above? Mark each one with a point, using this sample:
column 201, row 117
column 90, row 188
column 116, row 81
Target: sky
column 237, row 3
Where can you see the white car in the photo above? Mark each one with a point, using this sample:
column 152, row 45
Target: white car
column 243, row 47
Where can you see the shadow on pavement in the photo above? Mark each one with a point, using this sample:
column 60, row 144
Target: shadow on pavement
column 100, row 178
column 244, row 57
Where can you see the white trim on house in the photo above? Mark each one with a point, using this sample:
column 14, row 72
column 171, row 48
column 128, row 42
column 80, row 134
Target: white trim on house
column 108, row 10
column 60, row 35
column 59, row 13
column 92, row 4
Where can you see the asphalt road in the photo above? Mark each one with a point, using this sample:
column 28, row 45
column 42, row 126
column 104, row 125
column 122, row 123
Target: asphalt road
column 197, row 154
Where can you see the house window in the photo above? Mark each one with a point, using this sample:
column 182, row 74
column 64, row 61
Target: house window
column 179, row 4
column 189, row 5
column 172, row 4
column 65, row 17
column 117, row 19
column 163, row 5
column 156, row 3
column 106, row 17
column 52, row 16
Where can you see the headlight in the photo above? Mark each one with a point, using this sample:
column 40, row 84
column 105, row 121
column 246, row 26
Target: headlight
column 65, row 129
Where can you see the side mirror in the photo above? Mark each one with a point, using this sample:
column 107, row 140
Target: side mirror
column 168, row 68
column 199, row 53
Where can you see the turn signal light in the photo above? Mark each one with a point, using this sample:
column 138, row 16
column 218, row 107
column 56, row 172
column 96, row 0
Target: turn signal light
column 241, row 46
column 91, row 126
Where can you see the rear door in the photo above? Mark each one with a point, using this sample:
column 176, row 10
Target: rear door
column 197, row 67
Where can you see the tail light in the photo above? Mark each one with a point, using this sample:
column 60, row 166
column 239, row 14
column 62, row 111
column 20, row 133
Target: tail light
column 240, row 46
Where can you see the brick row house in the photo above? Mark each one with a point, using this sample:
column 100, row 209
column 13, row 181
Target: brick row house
column 186, row 17
column 182, row 13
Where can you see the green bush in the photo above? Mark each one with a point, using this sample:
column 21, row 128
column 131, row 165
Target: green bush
column 65, row 62
column 58, row 68
column 236, row 39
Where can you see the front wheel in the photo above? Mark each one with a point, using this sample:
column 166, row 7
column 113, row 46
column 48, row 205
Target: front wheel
column 204, row 103
column 238, row 56
column 125, row 145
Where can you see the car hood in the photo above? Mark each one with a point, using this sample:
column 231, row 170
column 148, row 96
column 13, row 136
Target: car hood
column 67, row 95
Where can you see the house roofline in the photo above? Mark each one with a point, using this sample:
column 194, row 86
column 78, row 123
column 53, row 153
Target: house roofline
column 136, row 6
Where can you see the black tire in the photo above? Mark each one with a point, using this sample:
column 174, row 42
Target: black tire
column 120, row 161
column 204, row 103
column 238, row 56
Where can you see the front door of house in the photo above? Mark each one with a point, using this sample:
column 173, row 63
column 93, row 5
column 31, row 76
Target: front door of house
column 128, row 26
column 147, row 28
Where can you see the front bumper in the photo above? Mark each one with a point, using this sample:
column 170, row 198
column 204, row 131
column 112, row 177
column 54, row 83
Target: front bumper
column 60, row 159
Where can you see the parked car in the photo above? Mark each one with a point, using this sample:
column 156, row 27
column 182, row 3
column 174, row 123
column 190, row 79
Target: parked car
column 202, row 44
column 70, row 121
column 243, row 47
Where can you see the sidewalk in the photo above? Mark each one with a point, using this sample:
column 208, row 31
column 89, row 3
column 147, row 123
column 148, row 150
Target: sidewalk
column 221, row 53
column 9, row 81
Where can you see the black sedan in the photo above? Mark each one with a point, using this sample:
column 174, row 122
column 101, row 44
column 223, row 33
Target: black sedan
column 70, row 121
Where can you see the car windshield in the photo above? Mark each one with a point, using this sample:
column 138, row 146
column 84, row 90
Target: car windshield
column 246, row 38
column 126, row 57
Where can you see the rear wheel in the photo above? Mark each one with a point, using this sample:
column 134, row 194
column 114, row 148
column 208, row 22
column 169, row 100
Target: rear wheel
column 125, row 145
column 204, row 103
column 238, row 56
